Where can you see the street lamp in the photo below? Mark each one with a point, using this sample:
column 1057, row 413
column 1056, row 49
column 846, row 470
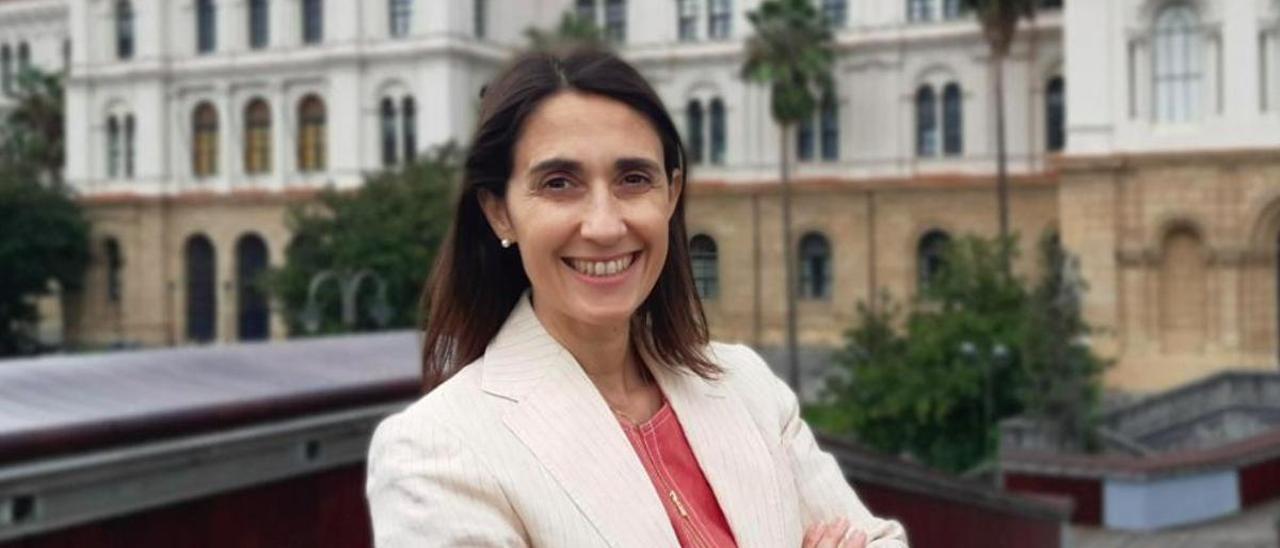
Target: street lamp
column 999, row 356
column 348, row 287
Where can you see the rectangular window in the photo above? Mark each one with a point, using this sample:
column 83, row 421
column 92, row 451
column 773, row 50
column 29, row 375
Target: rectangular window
column 919, row 11
column 259, row 24
column 481, row 15
column 399, row 14
column 719, row 19
column 206, row 26
column 615, row 21
column 688, row 20
column 834, row 13
column 312, row 21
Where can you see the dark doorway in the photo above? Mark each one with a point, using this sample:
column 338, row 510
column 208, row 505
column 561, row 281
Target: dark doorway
column 251, row 261
column 202, row 289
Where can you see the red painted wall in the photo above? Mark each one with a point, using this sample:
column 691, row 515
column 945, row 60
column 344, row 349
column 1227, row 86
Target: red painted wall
column 940, row 523
column 1086, row 493
column 327, row 510
column 324, row 510
column 1260, row 482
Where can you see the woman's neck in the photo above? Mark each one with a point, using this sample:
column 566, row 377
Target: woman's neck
column 604, row 352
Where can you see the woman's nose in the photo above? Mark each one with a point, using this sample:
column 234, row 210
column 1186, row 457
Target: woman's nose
column 603, row 221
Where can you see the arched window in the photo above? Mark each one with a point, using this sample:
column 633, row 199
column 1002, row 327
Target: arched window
column 206, row 26
column 398, row 15
column 834, row 12
column 24, row 57
column 804, row 140
column 202, row 289
column 926, row 122
column 1055, row 114
column 124, row 29
column 615, row 20
column 1184, row 303
column 312, row 21
column 930, row 258
column 409, row 127
column 480, row 17
column 720, row 19
column 204, row 146
column 311, row 138
column 693, row 113
column 251, row 261
column 259, row 24
column 257, row 137
column 387, row 115
column 829, row 127
column 717, row 131
column 687, row 19
column 129, row 142
column 815, row 267
column 6, row 68
column 703, row 254
column 919, row 10
column 113, row 147
column 115, row 262
column 1177, row 64
column 952, row 120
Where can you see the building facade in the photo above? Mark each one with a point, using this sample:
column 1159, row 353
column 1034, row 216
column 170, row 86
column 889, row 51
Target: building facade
column 192, row 124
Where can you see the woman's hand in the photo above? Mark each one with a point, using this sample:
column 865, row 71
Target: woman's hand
column 830, row 535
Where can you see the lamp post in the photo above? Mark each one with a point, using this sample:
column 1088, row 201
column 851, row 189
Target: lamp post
column 348, row 287
column 998, row 357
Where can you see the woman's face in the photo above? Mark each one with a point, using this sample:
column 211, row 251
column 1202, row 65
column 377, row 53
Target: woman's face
column 587, row 205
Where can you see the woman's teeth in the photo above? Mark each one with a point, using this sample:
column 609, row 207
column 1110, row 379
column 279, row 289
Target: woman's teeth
column 602, row 268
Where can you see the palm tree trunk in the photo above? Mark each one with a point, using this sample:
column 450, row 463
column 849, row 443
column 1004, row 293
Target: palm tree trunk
column 789, row 270
column 1002, row 161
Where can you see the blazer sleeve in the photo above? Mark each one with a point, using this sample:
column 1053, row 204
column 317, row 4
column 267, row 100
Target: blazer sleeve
column 825, row 494
column 426, row 488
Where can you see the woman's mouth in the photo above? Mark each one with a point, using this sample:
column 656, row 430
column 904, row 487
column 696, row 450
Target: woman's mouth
column 596, row 268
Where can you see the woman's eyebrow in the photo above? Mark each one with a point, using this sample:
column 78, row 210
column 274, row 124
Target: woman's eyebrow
column 574, row 166
column 556, row 164
column 643, row 164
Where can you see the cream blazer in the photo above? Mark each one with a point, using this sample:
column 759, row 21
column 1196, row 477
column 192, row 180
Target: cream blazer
column 520, row 449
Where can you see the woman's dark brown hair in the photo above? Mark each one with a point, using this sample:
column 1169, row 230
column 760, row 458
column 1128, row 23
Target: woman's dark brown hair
column 476, row 282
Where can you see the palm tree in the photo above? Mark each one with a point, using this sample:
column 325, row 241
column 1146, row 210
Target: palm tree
column 32, row 136
column 572, row 31
column 791, row 52
column 999, row 20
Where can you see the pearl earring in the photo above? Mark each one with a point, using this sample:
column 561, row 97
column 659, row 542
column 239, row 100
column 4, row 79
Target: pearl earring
column 506, row 243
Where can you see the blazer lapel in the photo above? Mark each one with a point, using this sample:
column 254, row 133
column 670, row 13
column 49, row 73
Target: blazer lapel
column 567, row 425
column 733, row 455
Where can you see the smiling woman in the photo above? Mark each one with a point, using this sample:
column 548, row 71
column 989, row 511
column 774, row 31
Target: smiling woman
column 572, row 395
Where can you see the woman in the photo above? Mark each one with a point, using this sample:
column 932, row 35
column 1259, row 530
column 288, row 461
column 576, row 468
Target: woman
column 573, row 397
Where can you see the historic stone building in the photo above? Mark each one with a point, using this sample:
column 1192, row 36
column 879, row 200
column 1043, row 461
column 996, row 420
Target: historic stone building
column 193, row 123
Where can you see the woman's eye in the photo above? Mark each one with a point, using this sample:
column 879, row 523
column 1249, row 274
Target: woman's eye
column 557, row 183
column 636, row 179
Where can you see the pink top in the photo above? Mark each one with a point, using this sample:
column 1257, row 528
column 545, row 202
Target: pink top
column 662, row 447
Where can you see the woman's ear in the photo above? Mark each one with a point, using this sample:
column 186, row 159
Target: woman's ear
column 495, row 211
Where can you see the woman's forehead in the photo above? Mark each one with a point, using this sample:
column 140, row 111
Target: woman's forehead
column 588, row 128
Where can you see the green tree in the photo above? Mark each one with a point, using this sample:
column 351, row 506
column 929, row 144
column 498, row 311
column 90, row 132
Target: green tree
column 392, row 225
column 44, row 236
column 33, row 131
column 976, row 347
column 791, row 53
column 1064, row 387
column 570, row 32
column 999, row 20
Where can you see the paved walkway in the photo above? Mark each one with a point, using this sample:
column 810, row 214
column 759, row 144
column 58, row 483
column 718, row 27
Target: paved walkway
column 1255, row 528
